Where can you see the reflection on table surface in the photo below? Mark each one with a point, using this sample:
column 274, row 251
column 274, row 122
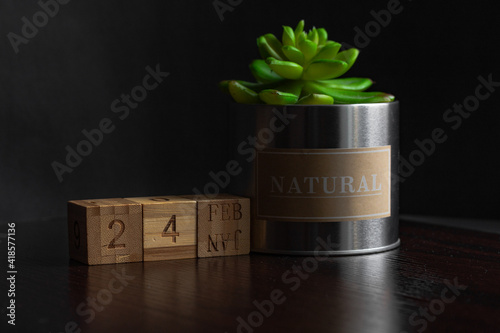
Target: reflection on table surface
column 382, row 292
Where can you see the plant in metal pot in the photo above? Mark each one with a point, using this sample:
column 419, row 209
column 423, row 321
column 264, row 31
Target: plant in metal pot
column 316, row 149
column 303, row 68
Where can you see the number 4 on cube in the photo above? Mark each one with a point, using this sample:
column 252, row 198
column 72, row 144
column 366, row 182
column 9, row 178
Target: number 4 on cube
column 169, row 227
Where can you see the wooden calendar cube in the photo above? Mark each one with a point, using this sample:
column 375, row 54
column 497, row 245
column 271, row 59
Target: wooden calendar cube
column 223, row 225
column 105, row 231
column 169, row 229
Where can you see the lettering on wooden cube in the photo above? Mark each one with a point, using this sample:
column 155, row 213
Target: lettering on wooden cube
column 169, row 227
column 105, row 231
column 223, row 225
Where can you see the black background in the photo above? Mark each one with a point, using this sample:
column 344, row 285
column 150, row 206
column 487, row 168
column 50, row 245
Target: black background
column 65, row 78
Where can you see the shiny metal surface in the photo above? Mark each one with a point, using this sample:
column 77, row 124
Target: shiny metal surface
column 333, row 126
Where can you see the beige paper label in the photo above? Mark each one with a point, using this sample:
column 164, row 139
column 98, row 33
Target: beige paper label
column 324, row 185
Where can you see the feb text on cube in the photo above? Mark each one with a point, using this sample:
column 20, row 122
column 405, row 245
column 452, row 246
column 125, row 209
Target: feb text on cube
column 223, row 225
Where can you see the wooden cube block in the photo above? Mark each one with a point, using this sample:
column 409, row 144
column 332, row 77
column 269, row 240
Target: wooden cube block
column 105, row 231
column 223, row 225
column 169, row 227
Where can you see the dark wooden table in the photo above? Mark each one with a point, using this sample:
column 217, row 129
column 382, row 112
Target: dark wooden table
column 441, row 279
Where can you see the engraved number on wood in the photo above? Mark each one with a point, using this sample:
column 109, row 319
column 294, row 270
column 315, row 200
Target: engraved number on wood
column 160, row 199
column 112, row 244
column 76, row 230
column 173, row 233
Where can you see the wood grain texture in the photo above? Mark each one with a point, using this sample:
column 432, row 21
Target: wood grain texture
column 223, row 225
column 169, row 227
column 105, row 231
column 375, row 293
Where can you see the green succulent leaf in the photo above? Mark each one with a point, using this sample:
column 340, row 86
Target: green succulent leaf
column 242, row 94
column 224, row 86
column 342, row 96
column 324, row 69
column 255, row 86
column 306, row 65
column 316, row 99
column 290, row 86
column 275, row 45
column 300, row 38
column 264, row 48
column 263, row 73
column 349, row 56
column 287, row 69
column 270, row 46
column 288, row 36
column 293, row 54
column 298, row 30
column 313, row 36
column 323, row 36
column 328, row 51
column 348, row 83
column 276, row 97
column 308, row 48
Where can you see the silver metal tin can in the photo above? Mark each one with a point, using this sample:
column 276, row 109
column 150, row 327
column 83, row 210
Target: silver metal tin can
column 259, row 129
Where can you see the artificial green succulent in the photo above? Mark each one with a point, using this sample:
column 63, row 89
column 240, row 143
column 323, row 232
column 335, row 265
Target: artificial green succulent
column 302, row 68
